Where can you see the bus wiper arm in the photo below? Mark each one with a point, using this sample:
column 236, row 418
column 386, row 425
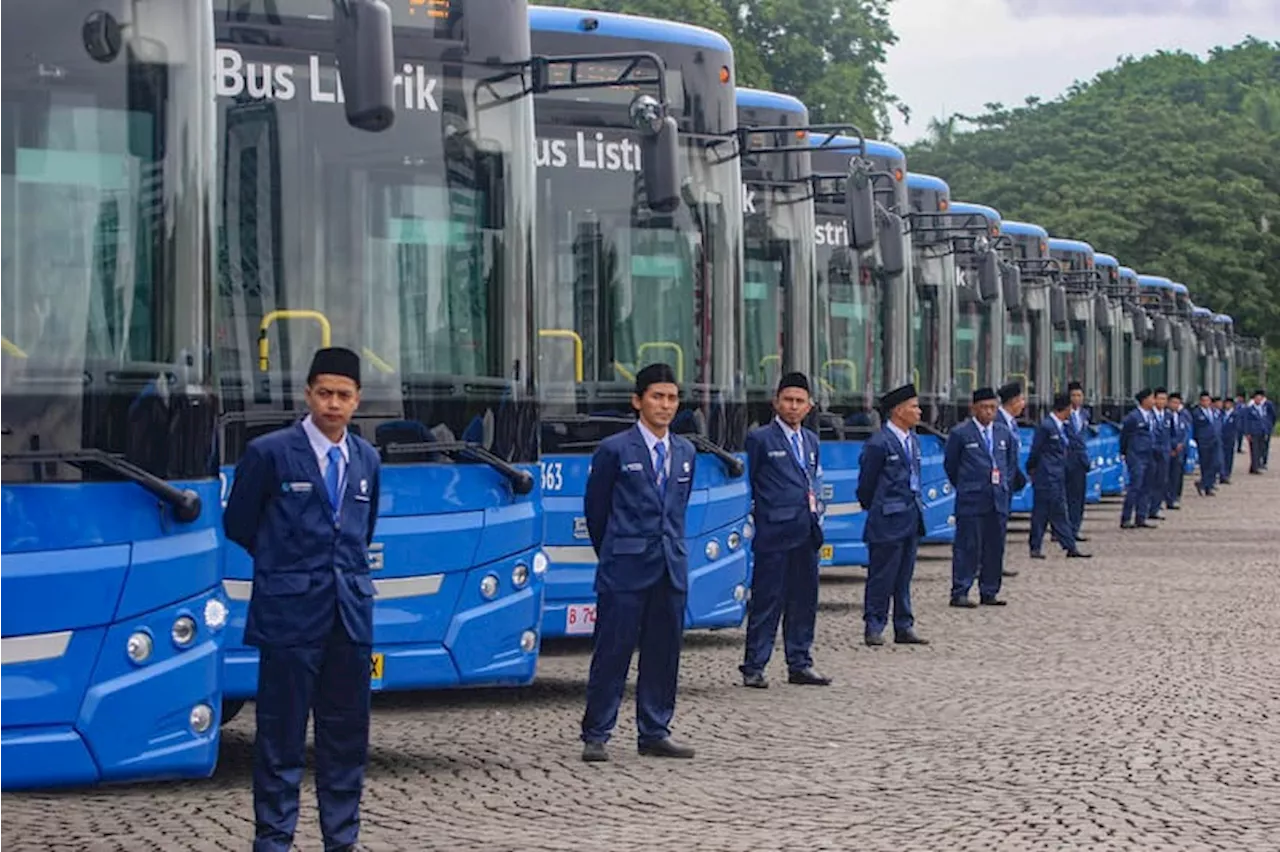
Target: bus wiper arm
column 589, row 418
column 732, row 463
column 521, row 480
column 185, row 502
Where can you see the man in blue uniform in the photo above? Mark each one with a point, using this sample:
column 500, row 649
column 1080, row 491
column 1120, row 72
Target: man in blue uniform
column 889, row 491
column 637, row 493
column 1012, row 403
column 1230, row 439
column 1242, row 413
column 304, row 505
column 784, row 461
column 980, row 460
column 1180, row 429
column 1078, row 461
column 1161, row 447
column 1208, row 435
column 1047, row 465
column 1135, row 447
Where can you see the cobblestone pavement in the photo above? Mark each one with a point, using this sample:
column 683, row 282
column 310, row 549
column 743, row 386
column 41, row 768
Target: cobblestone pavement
column 1127, row 702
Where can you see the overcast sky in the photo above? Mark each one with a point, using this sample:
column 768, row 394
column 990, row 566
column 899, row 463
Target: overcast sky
column 955, row 55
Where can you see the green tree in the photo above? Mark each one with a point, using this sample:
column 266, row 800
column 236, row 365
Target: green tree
column 1170, row 162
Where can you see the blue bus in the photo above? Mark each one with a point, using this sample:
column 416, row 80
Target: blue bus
column 1108, row 341
column 627, row 274
column 113, row 615
column 1156, row 296
column 862, row 314
column 1222, row 379
column 411, row 246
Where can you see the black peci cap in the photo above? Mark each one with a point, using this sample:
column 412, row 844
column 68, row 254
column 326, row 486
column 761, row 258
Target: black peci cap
column 794, row 380
column 335, row 361
column 896, row 397
column 1074, row 386
column 1010, row 391
column 983, row 394
column 654, row 374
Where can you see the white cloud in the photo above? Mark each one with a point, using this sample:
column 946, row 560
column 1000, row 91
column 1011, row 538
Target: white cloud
column 955, row 55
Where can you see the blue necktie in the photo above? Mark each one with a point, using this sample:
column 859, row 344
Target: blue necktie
column 795, row 448
column 986, row 437
column 911, row 460
column 332, row 477
column 660, row 470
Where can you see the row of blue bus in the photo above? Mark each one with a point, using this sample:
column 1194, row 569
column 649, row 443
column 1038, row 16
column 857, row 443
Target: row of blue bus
column 508, row 211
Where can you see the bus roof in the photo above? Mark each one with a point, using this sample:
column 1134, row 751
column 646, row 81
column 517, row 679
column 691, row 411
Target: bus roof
column 915, row 180
column 760, row 99
column 1127, row 272
column 1181, row 289
column 1223, row 319
column 615, row 25
column 1078, row 246
column 1101, row 259
column 1201, row 312
column 1155, row 282
column 875, row 148
column 1023, row 229
column 964, row 208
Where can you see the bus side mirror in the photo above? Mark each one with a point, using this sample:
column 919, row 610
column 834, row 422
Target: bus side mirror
column 366, row 61
column 659, row 153
column 988, row 275
column 893, row 253
column 1162, row 333
column 860, row 206
column 1058, row 306
column 1102, row 313
column 1011, row 279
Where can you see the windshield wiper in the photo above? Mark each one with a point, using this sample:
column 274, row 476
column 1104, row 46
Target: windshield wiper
column 589, row 418
column 185, row 502
column 732, row 464
column 521, row 480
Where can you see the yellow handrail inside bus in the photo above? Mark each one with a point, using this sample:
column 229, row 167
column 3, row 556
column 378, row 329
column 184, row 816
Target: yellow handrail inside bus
column 568, row 334
column 626, row 374
column 915, row 377
column 972, row 374
column 264, row 347
column 12, row 348
column 1010, row 377
column 377, row 362
column 665, row 344
column 844, row 362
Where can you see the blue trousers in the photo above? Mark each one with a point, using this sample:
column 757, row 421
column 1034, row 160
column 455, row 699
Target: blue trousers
column 333, row 680
column 1157, row 482
column 1228, row 457
column 1255, row 452
column 978, row 552
column 1050, row 510
column 1077, row 484
column 784, row 587
column 1177, row 473
column 892, row 565
column 1209, row 468
column 653, row 620
column 1135, row 496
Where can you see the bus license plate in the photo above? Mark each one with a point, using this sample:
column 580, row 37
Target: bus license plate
column 377, row 668
column 580, row 620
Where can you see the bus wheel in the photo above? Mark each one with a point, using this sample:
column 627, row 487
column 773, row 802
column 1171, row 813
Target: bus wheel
column 231, row 708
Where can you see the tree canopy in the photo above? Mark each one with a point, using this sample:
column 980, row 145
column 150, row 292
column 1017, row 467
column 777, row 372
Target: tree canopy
column 1169, row 162
column 827, row 53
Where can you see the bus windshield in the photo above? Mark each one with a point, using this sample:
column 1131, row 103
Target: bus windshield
column 105, row 192
column 972, row 345
column 850, row 323
column 406, row 246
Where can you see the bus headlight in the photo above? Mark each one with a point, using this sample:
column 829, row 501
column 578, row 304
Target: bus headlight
column 933, row 494
column 539, row 564
column 183, row 631
column 749, row 529
column 520, row 575
column 712, row 550
column 215, row 614
column 201, row 718
column 528, row 641
column 488, row 586
column 734, row 541
column 139, row 647
column 946, row 488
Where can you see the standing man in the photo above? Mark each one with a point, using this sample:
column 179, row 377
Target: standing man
column 637, row 493
column 1012, row 404
column 980, row 460
column 1269, row 419
column 1230, row 438
column 1078, row 461
column 1241, row 415
column 1209, row 442
column 304, row 505
column 1135, row 447
column 1161, row 447
column 784, row 462
column 1179, row 432
column 1047, row 465
column 889, row 491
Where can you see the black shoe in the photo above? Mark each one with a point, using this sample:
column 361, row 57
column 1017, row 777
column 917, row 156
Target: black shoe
column 1078, row 554
column 594, row 753
column 755, row 680
column 1037, row 554
column 908, row 637
column 1155, row 517
column 1211, row 493
column 1174, row 508
column 994, row 602
column 1225, row 482
column 1081, row 537
column 1006, row 572
column 665, row 748
column 1199, row 490
column 1147, row 526
column 963, row 603
column 1126, row 525
column 874, row 639
column 807, row 677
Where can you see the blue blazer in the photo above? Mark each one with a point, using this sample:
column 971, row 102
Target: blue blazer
column 637, row 532
column 1077, row 450
column 1161, row 440
column 969, row 466
column 1206, row 430
column 1135, row 435
column 1230, row 425
column 1047, row 463
column 304, row 568
column 781, row 488
column 894, row 511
